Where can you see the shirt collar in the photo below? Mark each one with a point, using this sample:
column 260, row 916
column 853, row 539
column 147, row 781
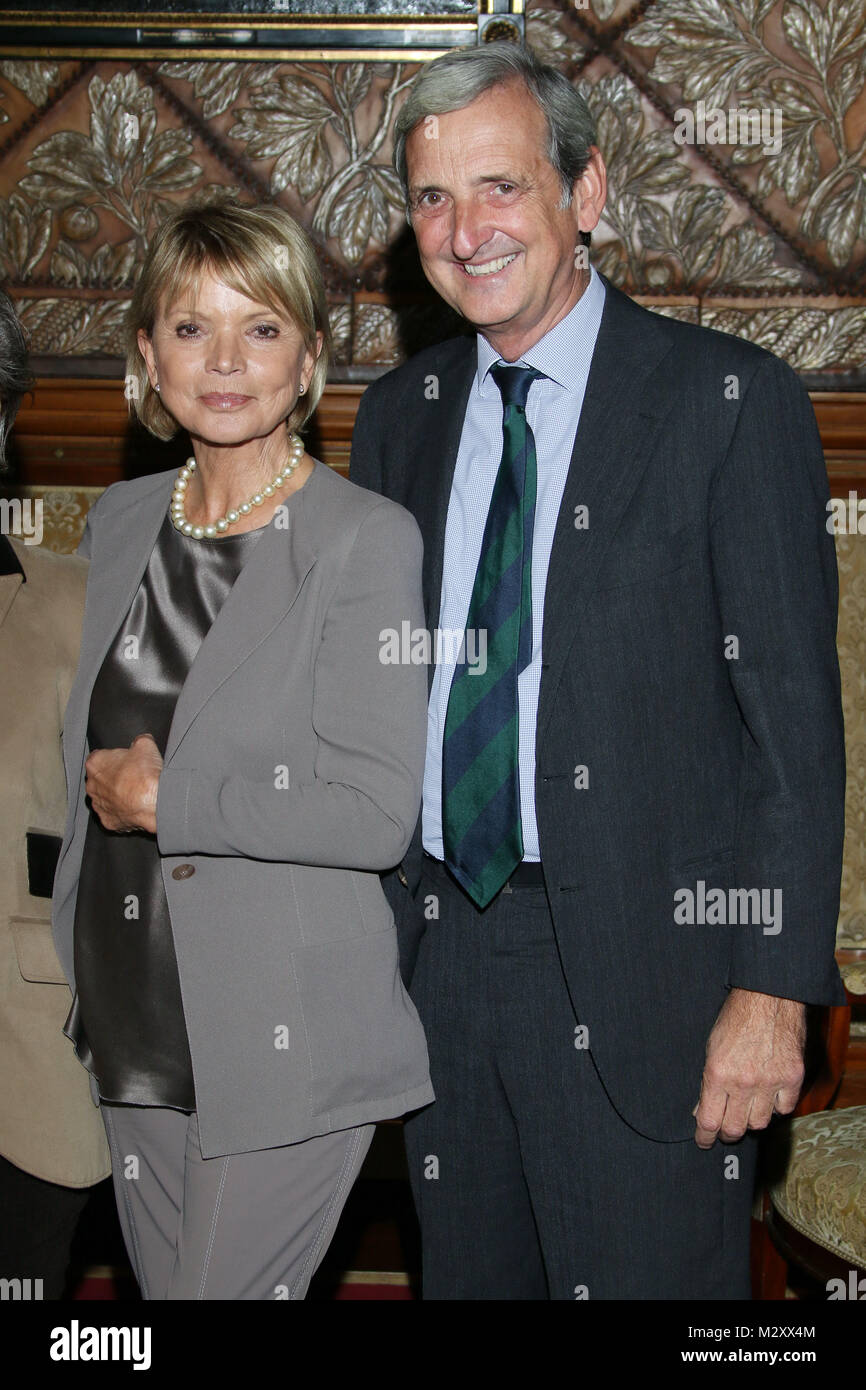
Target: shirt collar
column 565, row 352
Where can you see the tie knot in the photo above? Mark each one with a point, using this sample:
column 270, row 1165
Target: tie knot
column 514, row 382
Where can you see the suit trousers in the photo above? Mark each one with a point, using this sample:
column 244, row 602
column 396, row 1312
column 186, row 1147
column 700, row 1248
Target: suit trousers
column 248, row 1226
column 527, row 1182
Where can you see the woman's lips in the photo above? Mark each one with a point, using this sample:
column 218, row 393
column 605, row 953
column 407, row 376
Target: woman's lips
column 223, row 402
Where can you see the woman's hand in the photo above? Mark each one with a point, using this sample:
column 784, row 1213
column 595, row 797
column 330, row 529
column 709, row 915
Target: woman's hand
column 122, row 784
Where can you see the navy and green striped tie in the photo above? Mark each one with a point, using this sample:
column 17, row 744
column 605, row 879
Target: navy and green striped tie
column 481, row 827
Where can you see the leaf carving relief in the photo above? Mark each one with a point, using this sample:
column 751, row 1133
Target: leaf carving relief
column 668, row 231
column 34, row 79
column 102, row 166
column 812, row 73
column 308, row 130
column 809, row 339
column 74, row 326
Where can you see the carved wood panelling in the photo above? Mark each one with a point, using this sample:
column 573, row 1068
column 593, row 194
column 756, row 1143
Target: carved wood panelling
column 767, row 241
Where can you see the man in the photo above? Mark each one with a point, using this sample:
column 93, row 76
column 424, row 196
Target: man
column 627, row 516
column 52, row 1144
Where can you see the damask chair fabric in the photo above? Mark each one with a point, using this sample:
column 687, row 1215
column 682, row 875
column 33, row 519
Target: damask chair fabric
column 823, row 1191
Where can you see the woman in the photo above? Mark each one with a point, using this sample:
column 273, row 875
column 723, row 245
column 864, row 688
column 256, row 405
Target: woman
column 250, row 764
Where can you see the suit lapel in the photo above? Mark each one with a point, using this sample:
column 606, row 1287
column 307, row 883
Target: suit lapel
column 262, row 594
column 121, row 545
column 119, row 554
column 11, row 576
column 432, row 473
column 259, row 599
column 9, row 586
column 619, row 423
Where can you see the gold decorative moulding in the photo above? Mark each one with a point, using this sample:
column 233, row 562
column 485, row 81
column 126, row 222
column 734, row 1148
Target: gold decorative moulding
column 278, row 32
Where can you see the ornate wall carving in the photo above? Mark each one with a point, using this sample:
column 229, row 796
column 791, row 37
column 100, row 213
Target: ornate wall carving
column 769, row 245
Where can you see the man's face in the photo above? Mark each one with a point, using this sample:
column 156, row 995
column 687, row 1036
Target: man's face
column 485, row 206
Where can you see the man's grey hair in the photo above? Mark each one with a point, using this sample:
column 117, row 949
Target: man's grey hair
column 457, row 78
column 15, row 376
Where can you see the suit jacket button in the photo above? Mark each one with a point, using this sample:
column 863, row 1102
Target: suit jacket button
column 183, row 871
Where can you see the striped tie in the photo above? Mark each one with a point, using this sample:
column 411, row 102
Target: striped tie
column 481, row 827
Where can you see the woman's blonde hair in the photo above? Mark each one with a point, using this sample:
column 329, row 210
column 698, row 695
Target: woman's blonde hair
column 261, row 252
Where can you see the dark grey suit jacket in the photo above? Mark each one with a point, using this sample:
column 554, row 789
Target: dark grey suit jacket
column 286, row 946
column 707, row 520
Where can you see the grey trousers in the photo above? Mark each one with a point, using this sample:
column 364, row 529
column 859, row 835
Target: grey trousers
column 247, row 1226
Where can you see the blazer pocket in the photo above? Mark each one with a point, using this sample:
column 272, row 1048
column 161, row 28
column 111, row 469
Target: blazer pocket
column 626, row 565
column 363, row 1030
column 708, row 860
column 716, row 868
column 35, row 952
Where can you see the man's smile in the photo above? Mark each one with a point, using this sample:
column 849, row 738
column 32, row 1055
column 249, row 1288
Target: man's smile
column 489, row 267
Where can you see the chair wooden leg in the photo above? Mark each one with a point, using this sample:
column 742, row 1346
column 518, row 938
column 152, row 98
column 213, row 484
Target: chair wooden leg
column 769, row 1267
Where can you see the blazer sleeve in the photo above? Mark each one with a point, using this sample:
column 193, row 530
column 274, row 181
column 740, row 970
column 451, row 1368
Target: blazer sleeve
column 369, row 715
column 774, row 570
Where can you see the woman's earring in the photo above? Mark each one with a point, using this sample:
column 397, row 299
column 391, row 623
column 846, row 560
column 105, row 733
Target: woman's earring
column 302, row 390
column 156, row 388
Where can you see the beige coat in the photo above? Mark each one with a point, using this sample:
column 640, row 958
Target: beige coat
column 49, row 1126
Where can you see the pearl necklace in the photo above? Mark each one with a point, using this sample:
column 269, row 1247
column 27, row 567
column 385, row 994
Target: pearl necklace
column 178, row 515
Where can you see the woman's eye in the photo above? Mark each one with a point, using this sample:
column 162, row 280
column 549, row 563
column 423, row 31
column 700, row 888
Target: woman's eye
column 266, row 330
column 186, row 330
column 508, row 187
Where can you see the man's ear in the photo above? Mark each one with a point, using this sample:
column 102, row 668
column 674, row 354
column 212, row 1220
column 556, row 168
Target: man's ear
column 589, row 192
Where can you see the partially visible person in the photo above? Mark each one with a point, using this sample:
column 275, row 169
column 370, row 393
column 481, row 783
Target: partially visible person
column 52, row 1142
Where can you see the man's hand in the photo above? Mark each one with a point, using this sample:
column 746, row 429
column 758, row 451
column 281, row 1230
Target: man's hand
column 754, row 1065
column 122, row 784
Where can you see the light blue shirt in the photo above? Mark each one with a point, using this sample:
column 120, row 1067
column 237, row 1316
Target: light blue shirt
column 552, row 411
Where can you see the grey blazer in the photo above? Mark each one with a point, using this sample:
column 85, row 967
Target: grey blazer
column 286, row 948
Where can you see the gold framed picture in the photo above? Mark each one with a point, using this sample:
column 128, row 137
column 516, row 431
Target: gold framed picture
column 267, row 30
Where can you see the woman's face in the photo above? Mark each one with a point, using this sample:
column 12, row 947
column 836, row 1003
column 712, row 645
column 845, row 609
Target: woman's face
column 229, row 369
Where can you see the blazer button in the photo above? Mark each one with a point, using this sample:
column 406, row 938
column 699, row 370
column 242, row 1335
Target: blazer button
column 183, row 871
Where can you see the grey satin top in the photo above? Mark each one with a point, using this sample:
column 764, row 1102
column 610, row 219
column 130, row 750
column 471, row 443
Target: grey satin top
column 127, row 1018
